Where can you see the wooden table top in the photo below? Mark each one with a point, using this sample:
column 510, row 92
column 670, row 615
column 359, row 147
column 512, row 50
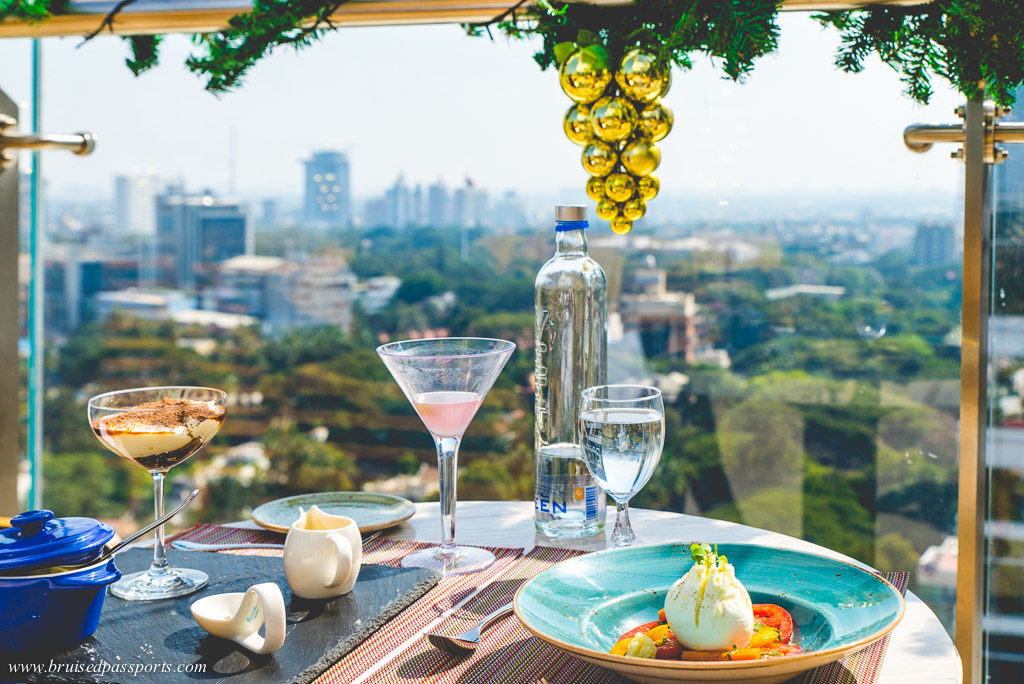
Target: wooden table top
column 919, row 650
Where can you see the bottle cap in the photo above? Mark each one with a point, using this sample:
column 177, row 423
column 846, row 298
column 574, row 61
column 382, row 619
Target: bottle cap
column 570, row 212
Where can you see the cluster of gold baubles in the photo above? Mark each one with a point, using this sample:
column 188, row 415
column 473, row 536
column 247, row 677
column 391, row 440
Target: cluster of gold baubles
column 617, row 118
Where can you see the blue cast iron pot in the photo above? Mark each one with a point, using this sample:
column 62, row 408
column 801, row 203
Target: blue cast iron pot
column 53, row 612
column 43, row 607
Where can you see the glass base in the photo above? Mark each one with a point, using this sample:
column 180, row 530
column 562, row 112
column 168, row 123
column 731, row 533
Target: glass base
column 465, row 559
column 146, row 586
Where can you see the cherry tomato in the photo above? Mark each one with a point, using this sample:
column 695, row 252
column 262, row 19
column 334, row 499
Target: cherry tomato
column 771, row 615
column 669, row 649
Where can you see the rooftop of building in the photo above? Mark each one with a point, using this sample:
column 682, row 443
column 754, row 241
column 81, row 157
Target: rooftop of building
column 252, row 263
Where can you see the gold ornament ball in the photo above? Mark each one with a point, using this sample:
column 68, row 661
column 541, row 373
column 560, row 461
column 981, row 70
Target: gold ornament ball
column 655, row 121
column 634, row 209
column 621, row 225
column 613, row 118
column 577, row 124
column 641, row 157
column 647, row 187
column 581, row 79
column 640, row 77
column 619, row 187
column 668, row 83
column 607, row 210
column 599, row 158
column 595, row 188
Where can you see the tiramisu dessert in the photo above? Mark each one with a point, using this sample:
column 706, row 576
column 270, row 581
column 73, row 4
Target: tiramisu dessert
column 158, row 435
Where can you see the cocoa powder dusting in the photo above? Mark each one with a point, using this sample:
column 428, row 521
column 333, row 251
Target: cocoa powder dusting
column 164, row 413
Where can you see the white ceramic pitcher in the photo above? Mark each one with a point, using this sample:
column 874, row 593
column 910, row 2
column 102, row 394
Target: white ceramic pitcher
column 322, row 554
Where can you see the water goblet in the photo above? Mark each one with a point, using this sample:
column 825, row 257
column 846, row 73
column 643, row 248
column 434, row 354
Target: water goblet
column 446, row 379
column 622, row 431
column 157, row 428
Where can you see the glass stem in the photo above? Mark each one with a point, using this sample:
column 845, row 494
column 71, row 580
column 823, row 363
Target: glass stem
column 447, row 473
column 159, row 566
column 622, row 535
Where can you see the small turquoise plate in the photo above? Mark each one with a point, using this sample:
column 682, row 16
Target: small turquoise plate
column 370, row 511
column 584, row 604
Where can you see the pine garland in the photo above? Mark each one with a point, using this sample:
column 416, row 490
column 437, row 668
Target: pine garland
column 966, row 42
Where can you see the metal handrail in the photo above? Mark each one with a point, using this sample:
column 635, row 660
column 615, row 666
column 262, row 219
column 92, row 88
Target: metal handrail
column 79, row 143
column 921, row 137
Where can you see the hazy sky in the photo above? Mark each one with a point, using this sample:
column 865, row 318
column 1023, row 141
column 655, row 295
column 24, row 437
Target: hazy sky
column 430, row 102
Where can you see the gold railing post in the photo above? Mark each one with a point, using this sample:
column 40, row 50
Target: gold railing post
column 10, row 384
column 970, row 594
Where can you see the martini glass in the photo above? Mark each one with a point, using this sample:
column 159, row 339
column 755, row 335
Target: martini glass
column 446, row 380
column 157, row 428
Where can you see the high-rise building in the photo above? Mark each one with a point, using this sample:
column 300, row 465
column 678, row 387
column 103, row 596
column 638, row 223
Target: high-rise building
column 135, row 202
column 195, row 233
column 934, row 244
column 509, row 212
column 399, row 204
column 469, row 206
column 328, row 200
column 438, row 206
column 73, row 279
column 418, row 208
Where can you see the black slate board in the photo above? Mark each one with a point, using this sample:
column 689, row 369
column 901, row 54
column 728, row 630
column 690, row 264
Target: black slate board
column 319, row 633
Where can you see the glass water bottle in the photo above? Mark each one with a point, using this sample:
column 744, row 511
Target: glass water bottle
column 570, row 355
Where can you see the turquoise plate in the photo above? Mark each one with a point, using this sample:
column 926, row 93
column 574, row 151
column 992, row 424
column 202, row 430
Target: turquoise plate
column 584, row 604
column 370, row 511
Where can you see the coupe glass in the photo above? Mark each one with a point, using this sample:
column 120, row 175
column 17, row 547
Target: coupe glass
column 157, row 428
column 622, row 431
column 446, row 380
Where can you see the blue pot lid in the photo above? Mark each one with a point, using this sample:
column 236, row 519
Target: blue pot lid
column 36, row 538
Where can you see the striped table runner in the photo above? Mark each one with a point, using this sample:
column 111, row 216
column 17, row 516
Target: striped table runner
column 399, row 654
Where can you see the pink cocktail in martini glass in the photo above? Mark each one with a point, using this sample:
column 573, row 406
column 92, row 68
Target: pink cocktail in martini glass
column 446, row 380
column 447, row 414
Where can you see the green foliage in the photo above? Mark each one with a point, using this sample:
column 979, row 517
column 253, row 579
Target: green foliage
column 89, row 483
column 301, row 464
column 408, row 463
column 968, row 42
column 145, row 53
column 225, row 56
column 734, row 32
column 418, row 286
column 31, row 10
column 833, row 515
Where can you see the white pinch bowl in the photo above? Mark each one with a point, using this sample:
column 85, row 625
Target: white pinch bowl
column 322, row 554
column 239, row 616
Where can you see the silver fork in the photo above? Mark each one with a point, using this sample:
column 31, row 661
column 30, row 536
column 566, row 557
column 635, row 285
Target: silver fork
column 466, row 643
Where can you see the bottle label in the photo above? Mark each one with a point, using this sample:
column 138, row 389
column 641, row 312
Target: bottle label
column 557, row 502
column 590, row 496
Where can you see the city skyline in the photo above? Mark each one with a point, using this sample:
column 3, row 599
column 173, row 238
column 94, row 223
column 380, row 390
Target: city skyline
column 497, row 121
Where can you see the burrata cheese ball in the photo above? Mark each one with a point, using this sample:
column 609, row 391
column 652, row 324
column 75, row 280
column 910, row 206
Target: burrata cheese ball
column 709, row 609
